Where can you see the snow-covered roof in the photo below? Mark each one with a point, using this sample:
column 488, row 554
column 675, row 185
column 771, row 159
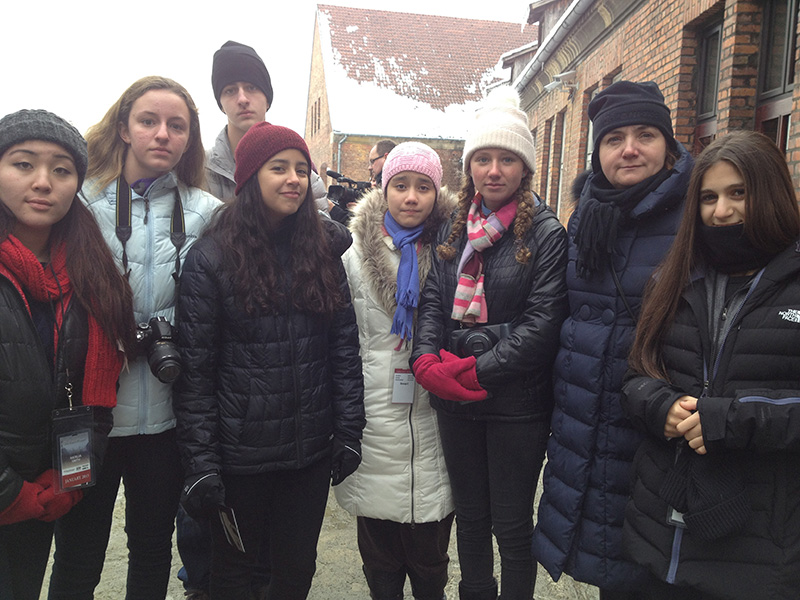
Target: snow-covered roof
column 409, row 75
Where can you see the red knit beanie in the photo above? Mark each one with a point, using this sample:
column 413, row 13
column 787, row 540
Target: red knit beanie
column 261, row 142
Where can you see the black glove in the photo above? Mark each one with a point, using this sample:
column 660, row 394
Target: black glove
column 202, row 494
column 345, row 459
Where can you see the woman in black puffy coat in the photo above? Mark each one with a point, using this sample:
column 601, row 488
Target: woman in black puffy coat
column 270, row 405
column 715, row 511
column 498, row 278
column 65, row 315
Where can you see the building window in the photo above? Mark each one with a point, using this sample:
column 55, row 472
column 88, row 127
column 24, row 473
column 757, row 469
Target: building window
column 548, row 140
column 708, row 85
column 558, row 160
column 590, row 132
column 316, row 116
column 776, row 73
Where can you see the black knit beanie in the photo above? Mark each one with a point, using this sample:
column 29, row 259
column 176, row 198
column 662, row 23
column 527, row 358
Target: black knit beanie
column 25, row 125
column 237, row 62
column 629, row 103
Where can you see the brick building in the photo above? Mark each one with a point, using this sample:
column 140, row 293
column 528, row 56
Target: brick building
column 378, row 74
column 722, row 65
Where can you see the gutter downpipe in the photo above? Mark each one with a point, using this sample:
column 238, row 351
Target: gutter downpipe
column 551, row 42
column 339, row 153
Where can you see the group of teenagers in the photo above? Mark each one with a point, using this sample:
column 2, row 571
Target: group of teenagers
column 424, row 362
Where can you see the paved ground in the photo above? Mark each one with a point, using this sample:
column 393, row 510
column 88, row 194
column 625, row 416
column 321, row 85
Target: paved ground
column 338, row 574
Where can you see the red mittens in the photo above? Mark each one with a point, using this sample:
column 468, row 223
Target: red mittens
column 25, row 506
column 38, row 500
column 449, row 377
column 55, row 505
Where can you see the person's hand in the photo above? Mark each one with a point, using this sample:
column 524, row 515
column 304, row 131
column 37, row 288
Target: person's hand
column 345, row 459
column 690, row 428
column 55, row 505
column 447, row 378
column 203, row 494
column 25, row 506
column 676, row 415
column 469, row 377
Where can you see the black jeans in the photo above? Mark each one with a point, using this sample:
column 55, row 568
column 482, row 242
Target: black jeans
column 150, row 468
column 390, row 550
column 494, row 467
column 24, row 550
column 286, row 508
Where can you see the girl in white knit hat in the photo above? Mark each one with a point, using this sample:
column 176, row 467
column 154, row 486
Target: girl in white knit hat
column 489, row 319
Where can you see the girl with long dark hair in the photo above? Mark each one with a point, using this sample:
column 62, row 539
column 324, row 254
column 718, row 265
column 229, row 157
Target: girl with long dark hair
column 487, row 333
column 270, row 405
column 65, row 319
column 715, row 511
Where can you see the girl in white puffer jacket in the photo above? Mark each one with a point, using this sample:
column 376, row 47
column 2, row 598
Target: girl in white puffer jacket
column 400, row 492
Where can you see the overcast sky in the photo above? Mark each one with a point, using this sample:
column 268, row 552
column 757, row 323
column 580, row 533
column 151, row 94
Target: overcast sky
column 76, row 58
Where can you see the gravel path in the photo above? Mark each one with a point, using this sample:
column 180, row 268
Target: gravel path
column 338, row 574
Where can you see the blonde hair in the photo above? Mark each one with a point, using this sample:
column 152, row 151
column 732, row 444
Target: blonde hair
column 107, row 150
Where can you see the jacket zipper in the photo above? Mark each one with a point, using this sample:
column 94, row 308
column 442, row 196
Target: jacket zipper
column 146, row 380
column 296, row 389
column 413, row 475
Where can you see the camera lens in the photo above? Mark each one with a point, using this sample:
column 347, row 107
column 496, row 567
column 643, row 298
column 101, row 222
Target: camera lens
column 164, row 360
column 477, row 343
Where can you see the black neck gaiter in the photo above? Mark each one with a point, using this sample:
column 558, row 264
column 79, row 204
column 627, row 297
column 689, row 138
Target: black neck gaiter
column 727, row 249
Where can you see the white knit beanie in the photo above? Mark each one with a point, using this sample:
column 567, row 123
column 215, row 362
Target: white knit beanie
column 500, row 123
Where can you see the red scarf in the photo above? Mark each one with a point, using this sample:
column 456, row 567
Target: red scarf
column 23, row 269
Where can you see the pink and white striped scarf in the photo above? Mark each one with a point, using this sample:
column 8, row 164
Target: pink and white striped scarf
column 469, row 304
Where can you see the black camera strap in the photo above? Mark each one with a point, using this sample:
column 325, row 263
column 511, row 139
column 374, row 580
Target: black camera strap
column 177, row 226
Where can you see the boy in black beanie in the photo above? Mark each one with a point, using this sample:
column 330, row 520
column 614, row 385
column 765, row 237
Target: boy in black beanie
column 243, row 90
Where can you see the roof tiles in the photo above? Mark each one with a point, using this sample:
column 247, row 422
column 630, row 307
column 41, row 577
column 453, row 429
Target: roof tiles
column 439, row 61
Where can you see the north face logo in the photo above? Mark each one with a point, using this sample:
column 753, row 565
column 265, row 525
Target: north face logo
column 791, row 314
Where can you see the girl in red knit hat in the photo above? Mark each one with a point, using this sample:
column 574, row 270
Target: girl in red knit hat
column 270, row 407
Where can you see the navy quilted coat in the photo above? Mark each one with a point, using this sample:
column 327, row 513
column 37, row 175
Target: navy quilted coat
column 589, row 454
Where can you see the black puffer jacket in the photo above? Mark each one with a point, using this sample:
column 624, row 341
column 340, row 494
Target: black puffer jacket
column 750, row 417
column 265, row 392
column 532, row 297
column 30, row 389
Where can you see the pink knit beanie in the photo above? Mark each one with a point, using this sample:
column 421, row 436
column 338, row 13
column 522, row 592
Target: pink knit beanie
column 413, row 156
column 261, row 142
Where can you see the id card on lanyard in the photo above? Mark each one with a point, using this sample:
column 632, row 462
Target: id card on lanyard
column 73, row 441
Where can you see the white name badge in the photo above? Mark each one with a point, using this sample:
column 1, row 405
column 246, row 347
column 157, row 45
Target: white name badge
column 403, row 388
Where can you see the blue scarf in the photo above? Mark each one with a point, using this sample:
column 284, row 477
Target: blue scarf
column 407, row 295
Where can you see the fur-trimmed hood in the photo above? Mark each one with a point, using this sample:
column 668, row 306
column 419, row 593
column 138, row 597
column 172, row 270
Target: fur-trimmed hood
column 367, row 228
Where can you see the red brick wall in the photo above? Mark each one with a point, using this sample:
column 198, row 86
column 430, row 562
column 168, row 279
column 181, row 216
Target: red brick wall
column 658, row 43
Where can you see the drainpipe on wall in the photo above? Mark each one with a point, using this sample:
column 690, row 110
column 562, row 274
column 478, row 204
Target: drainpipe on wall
column 339, row 154
column 551, row 42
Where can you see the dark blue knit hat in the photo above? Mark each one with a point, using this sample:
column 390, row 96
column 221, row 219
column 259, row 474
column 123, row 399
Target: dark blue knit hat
column 629, row 103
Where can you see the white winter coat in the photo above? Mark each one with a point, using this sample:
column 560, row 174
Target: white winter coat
column 144, row 404
column 402, row 476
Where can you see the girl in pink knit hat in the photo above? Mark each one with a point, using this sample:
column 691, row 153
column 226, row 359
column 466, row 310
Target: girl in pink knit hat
column 400, row 492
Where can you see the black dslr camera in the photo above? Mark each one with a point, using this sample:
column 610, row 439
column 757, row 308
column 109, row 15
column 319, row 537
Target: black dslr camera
column 474, row 341
column 156, row 341
column 347, row 191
